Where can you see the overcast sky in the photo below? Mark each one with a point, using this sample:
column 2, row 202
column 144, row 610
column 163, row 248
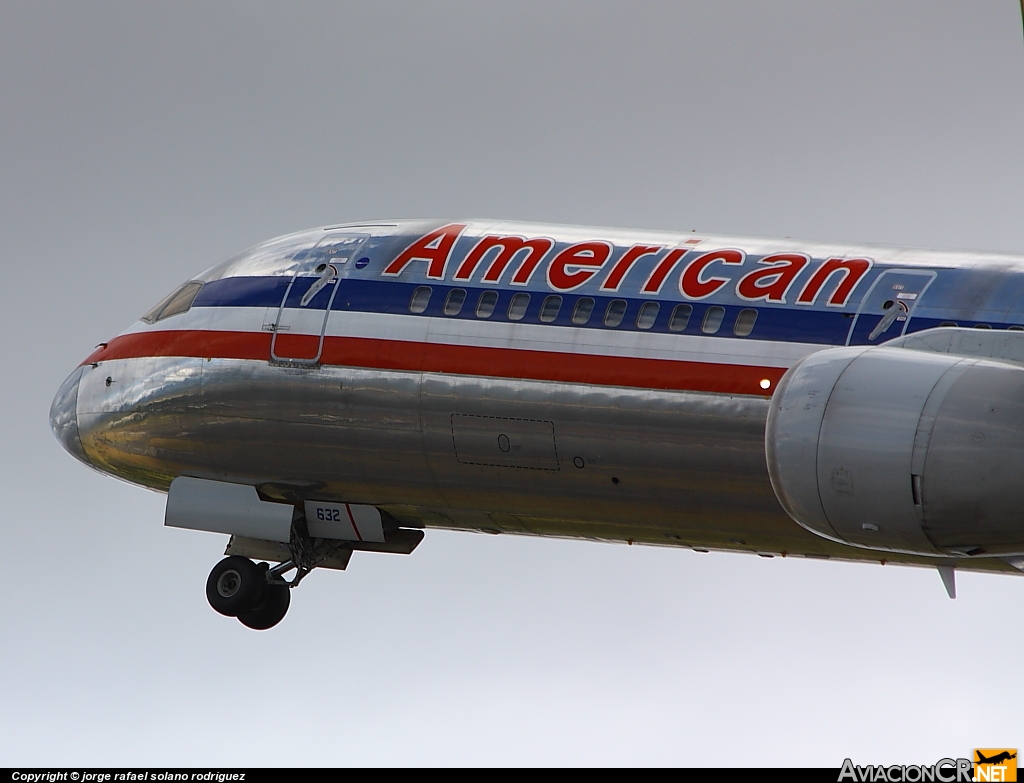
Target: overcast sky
column 142, row 143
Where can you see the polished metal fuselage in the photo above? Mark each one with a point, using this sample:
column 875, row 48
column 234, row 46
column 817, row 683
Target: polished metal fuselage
column 502, row 451
column 609, row 463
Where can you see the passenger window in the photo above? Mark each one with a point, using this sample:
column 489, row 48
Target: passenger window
column 179, row 301
column 648, row 315
column 453, row 304
column 517, row 307
column 420, row 299
column 982, row 326
column 581, row 313
column 1016, row 329
column 485, row 304
column 948, row 323
column 744, row 323
column 549, row 308
column 613, row 315
column 680, row 318
column 713, row 320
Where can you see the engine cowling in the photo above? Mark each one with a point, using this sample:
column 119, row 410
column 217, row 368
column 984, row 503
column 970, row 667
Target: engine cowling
column 902, row 450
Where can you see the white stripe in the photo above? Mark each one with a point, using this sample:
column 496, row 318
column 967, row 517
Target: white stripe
column 225, row 319
column 499, row 334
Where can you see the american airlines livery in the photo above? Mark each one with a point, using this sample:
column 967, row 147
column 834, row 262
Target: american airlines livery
column 344, row 389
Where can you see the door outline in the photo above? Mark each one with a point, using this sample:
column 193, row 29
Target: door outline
column 911, row 304
column 323, row 327
column 311, row 265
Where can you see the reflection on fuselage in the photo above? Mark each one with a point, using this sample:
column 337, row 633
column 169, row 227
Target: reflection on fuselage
column 613, row 389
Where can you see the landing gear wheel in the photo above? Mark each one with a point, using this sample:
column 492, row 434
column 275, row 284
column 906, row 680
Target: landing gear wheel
column 276, row 599
column 235, row 586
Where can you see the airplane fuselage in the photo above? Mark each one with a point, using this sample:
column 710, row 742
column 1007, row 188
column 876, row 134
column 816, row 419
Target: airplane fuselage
column 514, row 378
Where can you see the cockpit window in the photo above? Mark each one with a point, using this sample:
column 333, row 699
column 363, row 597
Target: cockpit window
column 179, row 301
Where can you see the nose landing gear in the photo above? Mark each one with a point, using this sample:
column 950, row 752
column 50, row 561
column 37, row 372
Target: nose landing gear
column 267, row 614
column 238, row 587
column 259, row 595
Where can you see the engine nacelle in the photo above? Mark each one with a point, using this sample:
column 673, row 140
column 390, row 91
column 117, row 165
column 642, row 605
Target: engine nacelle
column 902, row 450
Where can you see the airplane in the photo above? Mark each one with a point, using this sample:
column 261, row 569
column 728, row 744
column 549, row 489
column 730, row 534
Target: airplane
column 999, row 758
column 346, row 388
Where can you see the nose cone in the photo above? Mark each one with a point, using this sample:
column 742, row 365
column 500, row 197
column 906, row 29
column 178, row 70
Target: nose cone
column 64, row 417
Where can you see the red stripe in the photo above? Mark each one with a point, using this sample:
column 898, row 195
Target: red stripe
column 197, row 343
column 352, row 519
column 380, row 354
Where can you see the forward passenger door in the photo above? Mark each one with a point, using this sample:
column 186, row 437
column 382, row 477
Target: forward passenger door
column 298, row 330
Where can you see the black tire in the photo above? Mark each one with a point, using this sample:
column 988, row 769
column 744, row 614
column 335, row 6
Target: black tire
column 276, row 600
column 235, row 586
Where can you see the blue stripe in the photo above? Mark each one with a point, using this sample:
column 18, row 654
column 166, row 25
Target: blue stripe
column 242, row 292
column 774, row 323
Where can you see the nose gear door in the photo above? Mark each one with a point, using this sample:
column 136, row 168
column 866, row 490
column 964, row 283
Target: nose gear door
column 886, row 309
column 298, row 330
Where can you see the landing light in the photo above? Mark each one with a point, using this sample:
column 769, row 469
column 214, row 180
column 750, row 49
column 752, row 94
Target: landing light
column 765, row 383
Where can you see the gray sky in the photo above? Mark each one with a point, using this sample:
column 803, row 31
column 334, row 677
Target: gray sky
column 140, row 144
